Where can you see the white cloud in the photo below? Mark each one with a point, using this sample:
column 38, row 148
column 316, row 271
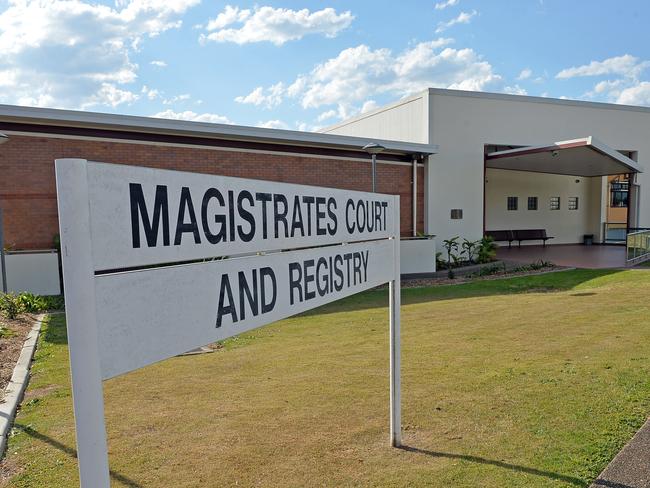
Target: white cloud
column 273, row 124
column 462, row 18
column 158, row 63
column 272, row 98
column 193, row 116
column 368, row 106
column 275, row 25
column 525, row 74
column 515, row 90
column 445, row 4
column 626, row 65
column 624, row 84
column 176, row 98
column 635, row 95
column 348, row 83
column 327, row 115
column 76, row 54
column 150, row 93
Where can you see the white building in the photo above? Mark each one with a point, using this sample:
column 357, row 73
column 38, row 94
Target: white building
column 501, row 162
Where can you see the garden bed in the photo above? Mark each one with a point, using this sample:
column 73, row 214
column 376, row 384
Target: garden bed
column 17, row 317
column 12, row 336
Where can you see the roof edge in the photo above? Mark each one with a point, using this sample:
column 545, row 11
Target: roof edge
column 83, row 119
column 536, row 99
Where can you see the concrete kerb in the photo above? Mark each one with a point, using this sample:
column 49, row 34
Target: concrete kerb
column 16, row 387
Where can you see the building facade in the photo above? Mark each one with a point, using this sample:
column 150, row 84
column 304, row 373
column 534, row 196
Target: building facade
column 569, row 196
column 36, row 137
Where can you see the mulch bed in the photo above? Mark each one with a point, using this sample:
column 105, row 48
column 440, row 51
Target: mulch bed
column 437, row 281
column 12, row 336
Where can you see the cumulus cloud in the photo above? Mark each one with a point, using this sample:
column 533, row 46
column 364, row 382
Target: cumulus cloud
column 525, row 74
column 273, row 124
column 77, row 54
column 626, row 65
column 445, row 4
column 635, row 95
column 346, row 84
column 275, row 25
column 270, row 97
column 623, row 83
column 462, row 18
column 193, row 116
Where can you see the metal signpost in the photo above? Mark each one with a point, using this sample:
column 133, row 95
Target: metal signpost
column 142, row 285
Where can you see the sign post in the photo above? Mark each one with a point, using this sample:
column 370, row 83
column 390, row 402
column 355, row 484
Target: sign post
column 138, row 248
column 395, row 303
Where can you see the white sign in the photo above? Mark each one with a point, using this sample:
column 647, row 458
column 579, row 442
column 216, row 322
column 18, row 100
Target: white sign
column 159, row 262
column 149, row 216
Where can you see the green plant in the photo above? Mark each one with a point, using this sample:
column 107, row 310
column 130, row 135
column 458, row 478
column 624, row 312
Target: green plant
column 469, row 248
column 451, row 246
column 487, row 250
column 40, row 303
column 31, row 303
column 10, row 305
column 440, row 263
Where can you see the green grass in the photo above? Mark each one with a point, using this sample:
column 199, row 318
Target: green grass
column 531, row 381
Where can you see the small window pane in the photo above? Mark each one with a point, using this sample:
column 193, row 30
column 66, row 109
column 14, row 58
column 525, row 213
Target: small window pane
column 554, row 203
column 573, row 203
column 456, row 213
column 513, row 203
column 532, row 203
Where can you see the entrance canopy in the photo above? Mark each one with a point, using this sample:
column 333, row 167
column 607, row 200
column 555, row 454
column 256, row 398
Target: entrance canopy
column 577, row 157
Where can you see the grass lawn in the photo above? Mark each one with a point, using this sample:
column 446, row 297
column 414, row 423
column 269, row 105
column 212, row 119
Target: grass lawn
column 532, row 381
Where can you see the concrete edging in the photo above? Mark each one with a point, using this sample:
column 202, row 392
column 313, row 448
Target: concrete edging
column 17, row 384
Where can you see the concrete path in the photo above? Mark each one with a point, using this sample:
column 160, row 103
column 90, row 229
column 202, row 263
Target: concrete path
column 631, row 467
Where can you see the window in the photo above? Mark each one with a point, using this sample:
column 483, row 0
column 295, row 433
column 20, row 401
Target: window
column 456, row 213
column 554, row 203
column 532, row 203
column 513, row 203
column 618, row 194
column 573, row 203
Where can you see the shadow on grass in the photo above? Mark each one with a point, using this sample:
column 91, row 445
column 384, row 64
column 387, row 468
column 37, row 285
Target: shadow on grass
column 610, row 484
column 55, row 331
column 498, row 464
column 71, row 452
column 541, row 283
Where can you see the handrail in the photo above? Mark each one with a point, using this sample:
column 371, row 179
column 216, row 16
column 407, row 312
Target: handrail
column 637, row 247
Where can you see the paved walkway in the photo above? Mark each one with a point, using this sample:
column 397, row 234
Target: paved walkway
column 631, row 467
column 571, row 255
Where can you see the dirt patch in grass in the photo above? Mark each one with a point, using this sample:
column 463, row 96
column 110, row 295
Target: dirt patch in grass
column 12, row 336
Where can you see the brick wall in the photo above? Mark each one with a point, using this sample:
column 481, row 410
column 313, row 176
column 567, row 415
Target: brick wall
column 28, row 190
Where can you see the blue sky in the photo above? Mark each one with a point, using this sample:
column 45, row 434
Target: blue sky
column 303, row 65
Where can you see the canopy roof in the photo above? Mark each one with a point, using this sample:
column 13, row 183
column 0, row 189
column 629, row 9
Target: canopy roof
column 576, row 157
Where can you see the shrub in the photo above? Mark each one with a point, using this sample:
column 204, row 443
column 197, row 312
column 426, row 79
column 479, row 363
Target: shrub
column 10, row 305
column 31, row 303
column 469, row 248
column 451, row 246
column 40, row 303
column 487, row 250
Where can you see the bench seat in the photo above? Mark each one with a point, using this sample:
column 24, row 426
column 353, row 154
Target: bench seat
column 531, row 235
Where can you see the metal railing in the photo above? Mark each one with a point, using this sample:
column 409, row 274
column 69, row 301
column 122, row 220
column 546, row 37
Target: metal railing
column 615, row 232
column 637, row 247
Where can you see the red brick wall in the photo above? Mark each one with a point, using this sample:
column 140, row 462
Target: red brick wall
column 28, row 191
